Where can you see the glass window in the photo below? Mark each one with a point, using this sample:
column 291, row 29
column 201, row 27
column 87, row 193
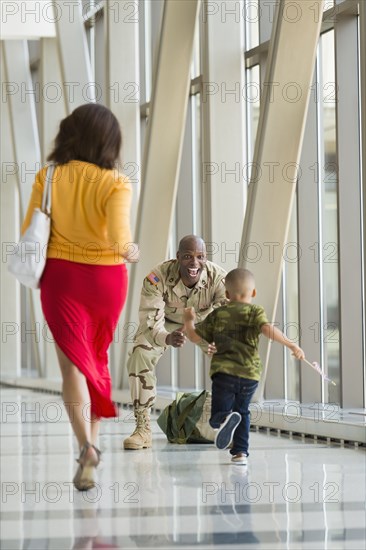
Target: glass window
column 251, row 19
column 362, row 96
column 147, row 50
column 328, row 4
column 329, row 213
column 196, row 57
column 291, row 328
column 196, row 163
column 253, row 107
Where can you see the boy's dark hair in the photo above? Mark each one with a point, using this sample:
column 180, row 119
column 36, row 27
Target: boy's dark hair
column 90, row 134
column 239, row 279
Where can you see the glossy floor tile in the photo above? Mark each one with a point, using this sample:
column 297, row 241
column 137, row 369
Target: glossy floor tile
column 293, row 494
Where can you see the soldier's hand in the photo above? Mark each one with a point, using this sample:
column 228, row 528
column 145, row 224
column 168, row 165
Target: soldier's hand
column 176, row 339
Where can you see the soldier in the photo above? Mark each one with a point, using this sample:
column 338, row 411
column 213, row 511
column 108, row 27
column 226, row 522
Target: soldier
column 188, row 281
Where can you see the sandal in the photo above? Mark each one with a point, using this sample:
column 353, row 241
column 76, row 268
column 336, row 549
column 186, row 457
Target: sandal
column 85, row 475
column 99, row 454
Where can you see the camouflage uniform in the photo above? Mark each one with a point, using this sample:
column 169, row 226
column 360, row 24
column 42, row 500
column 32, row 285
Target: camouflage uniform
column 163, row 299
column 235, row 329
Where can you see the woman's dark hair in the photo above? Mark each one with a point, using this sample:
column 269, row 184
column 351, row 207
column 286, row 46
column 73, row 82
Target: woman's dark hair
column 90, row 134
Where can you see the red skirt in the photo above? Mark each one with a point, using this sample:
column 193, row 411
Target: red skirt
column 82, row 304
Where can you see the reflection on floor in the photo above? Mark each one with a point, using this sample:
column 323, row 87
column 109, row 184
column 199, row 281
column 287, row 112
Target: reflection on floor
column 293, row 494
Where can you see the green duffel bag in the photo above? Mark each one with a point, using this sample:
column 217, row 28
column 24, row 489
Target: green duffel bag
column 185, row 420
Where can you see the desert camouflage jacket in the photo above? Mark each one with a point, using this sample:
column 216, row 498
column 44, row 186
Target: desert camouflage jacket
column 164, row 297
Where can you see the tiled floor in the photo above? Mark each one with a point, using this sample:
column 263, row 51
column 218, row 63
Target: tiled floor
column 293, row 494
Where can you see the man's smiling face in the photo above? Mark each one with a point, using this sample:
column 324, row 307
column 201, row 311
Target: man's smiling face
column 192, row 259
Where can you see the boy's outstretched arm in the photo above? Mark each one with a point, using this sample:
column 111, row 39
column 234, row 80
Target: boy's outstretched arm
column 189, row 328
column 274, row 334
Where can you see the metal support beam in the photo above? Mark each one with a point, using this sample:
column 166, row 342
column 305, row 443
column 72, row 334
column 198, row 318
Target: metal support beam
column 20, row 96
column 53, row 108
column 290, row 67
column 77, row 76
column 24, row 131
column 9, row 204
column 163, row 143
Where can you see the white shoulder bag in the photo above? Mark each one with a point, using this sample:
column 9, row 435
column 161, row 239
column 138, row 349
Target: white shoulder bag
column 29, row 259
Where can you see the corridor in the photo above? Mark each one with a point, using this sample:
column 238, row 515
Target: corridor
column 294, row 494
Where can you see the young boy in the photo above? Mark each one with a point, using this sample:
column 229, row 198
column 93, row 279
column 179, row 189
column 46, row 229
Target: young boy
column 235, row 367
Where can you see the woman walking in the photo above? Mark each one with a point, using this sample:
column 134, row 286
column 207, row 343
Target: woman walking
column 84, row 284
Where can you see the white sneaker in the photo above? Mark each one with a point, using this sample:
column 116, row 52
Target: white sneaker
column 226, row 431
column 240, row 458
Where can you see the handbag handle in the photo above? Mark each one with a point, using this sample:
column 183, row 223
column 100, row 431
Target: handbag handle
column 47, row 191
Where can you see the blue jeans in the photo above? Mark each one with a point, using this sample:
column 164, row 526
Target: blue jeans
column 233, row 394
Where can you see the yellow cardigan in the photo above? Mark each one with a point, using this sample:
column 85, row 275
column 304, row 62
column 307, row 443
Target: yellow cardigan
column 90, row 213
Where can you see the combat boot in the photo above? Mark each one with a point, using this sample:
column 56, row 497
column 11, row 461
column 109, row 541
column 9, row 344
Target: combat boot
column 141, row 437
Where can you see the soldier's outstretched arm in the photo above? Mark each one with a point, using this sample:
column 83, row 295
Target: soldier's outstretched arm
column 152, row 310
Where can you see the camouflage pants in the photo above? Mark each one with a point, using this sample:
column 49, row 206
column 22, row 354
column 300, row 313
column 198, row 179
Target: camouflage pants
column 141, row 369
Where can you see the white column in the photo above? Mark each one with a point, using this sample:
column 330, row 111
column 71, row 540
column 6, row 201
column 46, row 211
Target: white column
column 123, row 75
column 223, row 106
column 163, row 144
column 123, row 98
column 278, row 147
column 53, row 110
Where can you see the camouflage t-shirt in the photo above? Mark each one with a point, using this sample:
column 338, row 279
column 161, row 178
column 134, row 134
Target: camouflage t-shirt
column 235, row 328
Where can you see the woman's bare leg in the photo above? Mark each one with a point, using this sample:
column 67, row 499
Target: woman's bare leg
column 94, row 428
column 76, row 398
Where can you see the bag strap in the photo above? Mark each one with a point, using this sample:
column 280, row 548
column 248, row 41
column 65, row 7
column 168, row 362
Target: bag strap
column 183, row 415
column 47, row 191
